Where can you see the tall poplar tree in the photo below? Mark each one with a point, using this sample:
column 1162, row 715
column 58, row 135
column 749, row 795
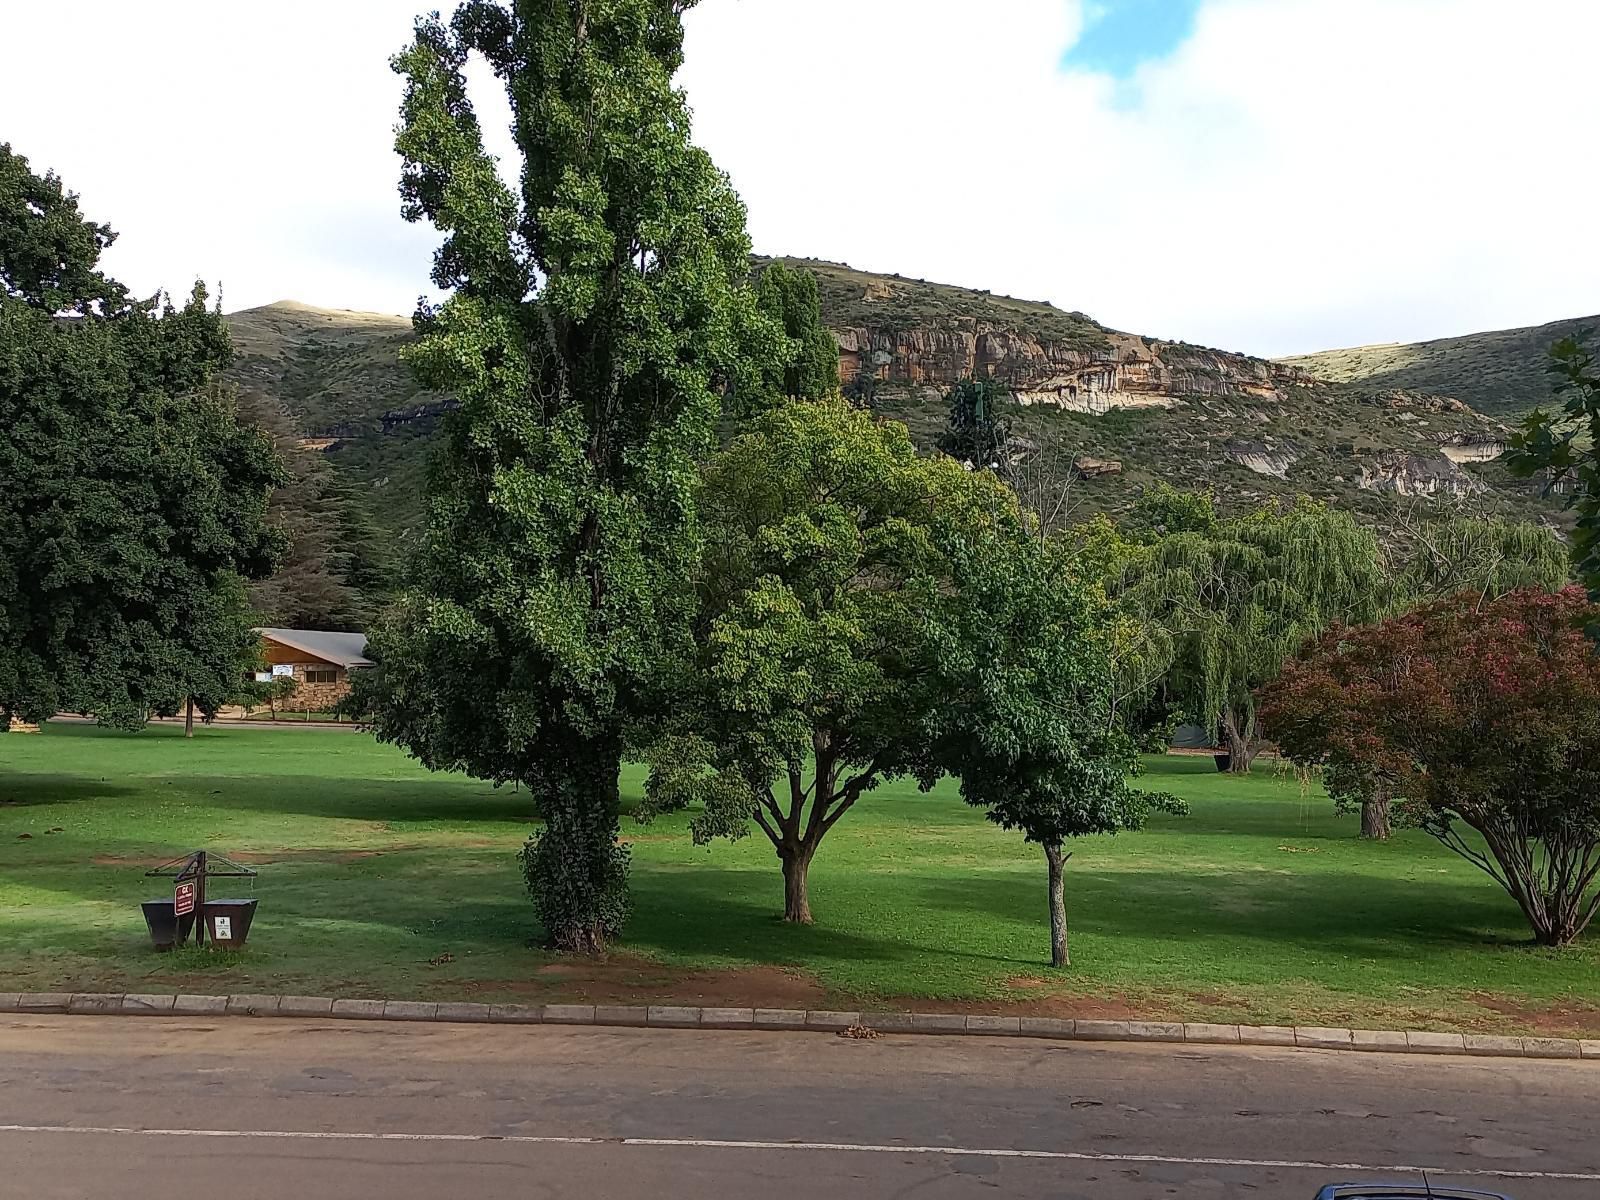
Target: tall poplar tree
column 593, row 319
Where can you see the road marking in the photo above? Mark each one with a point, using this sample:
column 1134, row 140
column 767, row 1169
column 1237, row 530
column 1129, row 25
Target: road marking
column 837, row 1147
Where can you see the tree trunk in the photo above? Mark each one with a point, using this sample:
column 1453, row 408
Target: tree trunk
column 1240, row 754
column 1375, row 815
column 1059, row 956
column 575, row 867
column 796, row 897
column 188, row 719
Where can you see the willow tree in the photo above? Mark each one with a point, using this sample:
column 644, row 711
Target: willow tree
column 591, row 320
column 1478, row 558
column 1489, row 556
column 1239, row 596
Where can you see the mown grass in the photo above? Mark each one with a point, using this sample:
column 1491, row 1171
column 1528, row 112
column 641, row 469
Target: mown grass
column 1261, row 905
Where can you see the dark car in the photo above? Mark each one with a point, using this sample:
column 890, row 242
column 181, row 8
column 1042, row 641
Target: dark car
column 1401, row 1191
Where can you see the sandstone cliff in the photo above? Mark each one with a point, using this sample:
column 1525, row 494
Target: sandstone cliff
column 1121, row 371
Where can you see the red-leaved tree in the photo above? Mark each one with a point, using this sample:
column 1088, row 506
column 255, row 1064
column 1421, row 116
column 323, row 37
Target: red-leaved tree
column 1484, row 720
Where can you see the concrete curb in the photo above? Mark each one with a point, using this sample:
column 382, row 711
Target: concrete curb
column 671, row 1016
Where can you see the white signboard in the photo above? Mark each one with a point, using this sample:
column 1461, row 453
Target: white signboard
column 282, row 669
column 263, row 676
column 224, row 928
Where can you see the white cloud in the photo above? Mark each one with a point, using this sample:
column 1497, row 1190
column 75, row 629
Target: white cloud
column 1299, row 174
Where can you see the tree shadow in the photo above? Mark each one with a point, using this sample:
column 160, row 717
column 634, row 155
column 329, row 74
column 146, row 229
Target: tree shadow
column 442, row 798
column 1332, row 916
column 24, row 789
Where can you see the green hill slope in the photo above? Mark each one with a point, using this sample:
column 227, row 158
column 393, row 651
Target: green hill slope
column 1501, row 373
column 1374, row 430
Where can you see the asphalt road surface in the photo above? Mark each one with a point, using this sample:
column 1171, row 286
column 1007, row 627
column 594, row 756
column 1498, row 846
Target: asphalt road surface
column 153, row 1108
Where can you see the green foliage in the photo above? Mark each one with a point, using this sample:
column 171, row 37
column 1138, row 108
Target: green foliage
column 978, row 426
column 1029, row 726
column 133, row 504
column 829, row 577
column 810, row 370
column 1162, row 509
column 593, row 322
column 577, row 878
column 1563, row 448
column 1488, row 556
column 1241, row 598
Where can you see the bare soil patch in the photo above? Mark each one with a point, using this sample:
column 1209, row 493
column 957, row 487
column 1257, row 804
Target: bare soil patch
column 1563, row 1018
column 625, row 979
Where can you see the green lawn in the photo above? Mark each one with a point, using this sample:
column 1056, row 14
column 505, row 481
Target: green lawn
column 1260, row 906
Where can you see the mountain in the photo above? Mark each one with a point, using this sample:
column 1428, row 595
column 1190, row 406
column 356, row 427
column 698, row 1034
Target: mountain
column 1501, row 373
column 1118, row 409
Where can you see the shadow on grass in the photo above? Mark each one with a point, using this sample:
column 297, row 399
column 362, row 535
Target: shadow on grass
column 1322, row 915
column 19, row 789
column 437, row 799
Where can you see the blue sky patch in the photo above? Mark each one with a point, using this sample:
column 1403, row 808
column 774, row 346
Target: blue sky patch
column 1119, row 35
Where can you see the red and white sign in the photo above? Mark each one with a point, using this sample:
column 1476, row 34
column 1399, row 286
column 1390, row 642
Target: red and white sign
column 183, row 898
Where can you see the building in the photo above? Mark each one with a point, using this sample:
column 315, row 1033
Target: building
column 319, row 662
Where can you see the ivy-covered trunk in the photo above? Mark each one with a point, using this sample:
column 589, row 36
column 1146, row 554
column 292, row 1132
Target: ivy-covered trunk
column 1059, row 956
column 575, row 866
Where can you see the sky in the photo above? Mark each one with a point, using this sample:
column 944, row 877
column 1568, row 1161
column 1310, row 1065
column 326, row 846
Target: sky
column 1271, row 176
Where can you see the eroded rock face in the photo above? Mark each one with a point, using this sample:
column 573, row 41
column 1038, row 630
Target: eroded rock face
column 1264, row 458
column 1087, row 467
column 1472, row 448
column 1117, row 371
column 1416, row 475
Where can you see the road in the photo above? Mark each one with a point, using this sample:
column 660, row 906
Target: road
column 147, row 1109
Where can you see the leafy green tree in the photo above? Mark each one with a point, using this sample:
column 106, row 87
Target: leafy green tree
column 1162, row 509
column 1030, row 726
column 133, row 503
column 788, row 297
column 978, row 427
column 593, row 322
column 827, row 583
column 1239, row 597
column 1564, row 447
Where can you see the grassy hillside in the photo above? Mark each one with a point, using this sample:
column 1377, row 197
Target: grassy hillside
column 852, row 298
column 335, row 372
column 337, row 392
column 1501, row 373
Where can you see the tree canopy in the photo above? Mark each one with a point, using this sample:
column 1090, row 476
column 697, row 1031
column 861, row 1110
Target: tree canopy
column 828, row 576
column 977, row 427
column 593, row 322
column 1237, row 596
column 809, row 369
column 1564, row 447
column 1483, row 715
column 1030, row 725
column 133, row 505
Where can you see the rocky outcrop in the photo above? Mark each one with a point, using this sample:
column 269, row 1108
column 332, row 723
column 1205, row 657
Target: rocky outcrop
column 1087, row 467
column 1472, row 447
column 1088, row 375
column 1416, row 475
column 1264, row 458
